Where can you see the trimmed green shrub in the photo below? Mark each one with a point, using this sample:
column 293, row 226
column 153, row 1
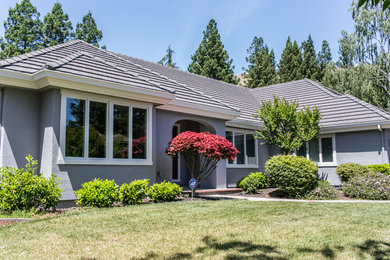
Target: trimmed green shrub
column 369, row 186
column 293, row 175
column 97, row 193
column 22, row 189
column 132, row 193
column 347, row 171
column 253, row 182
column 382, row 168
column 164, row 191
column 324, row 191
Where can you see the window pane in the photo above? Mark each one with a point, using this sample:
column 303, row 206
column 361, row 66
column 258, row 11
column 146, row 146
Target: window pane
column 75, row 109
column 314, row 151
column 121, row 132
column 97, row 129
column 250, row 149
column 239, row 143
column 302, row 150
column 139, row 133
column 327, row 149
column 229, row 137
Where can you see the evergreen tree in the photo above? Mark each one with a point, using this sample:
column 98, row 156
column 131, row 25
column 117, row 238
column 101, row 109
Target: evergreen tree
column 211, row 59
column 57, row 28
column 324, row 58
column 88, row 31
column 309, row 67
column 261, row 68
column 167, row 60
column 290, row 62
column 23, row 30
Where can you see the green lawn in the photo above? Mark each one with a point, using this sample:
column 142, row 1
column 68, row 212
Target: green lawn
column 206, row 230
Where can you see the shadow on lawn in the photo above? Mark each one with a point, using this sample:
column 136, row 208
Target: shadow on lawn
column 376, row 249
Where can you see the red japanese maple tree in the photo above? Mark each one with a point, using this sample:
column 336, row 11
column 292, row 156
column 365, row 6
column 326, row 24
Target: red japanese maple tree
column 201, row 152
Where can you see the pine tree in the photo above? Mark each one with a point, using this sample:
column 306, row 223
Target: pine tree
column 88, row 31
column 211, row 59
column 290, row 62
column 167, row 60
column 261, row 68
column 23, row 30
column 309, row 68
column 324, row 58
column 57, row 28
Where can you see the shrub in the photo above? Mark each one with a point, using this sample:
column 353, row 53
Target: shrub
column 164, row 191
column 293, row 175
column 370, row 186
column 382, row 168
column 253, row 182
column 97, row 193
column 22, row 189
column 132, row 193
column 324, row 191
column 347, row 171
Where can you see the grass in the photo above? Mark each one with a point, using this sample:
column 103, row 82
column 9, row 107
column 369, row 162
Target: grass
column 206, row 230
column 17, row 214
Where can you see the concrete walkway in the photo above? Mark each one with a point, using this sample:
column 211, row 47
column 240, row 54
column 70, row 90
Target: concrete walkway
column 217, row 196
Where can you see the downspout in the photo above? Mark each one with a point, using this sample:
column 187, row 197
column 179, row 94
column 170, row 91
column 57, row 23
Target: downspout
column 382, row 142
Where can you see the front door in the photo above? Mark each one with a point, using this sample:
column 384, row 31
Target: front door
column 176, row 161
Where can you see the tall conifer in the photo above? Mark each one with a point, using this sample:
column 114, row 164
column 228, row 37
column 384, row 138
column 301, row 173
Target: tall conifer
column 290, row 62
column 309, row 68
column 57, row 27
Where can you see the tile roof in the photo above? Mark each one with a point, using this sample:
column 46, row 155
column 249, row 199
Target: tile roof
column 79, row 58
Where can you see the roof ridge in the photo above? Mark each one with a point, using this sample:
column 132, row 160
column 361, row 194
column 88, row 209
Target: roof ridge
column 373, row 108
column 174, row 81
column 24, row 56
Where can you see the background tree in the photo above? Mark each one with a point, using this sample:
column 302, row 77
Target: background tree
column 167, row 60
column 87, row 30
column 23, row 30
column 309, row 66
column 324, row 58
column 261, row 68
column 290, row 62
column 286, row 127
column 385, row 3
column 211, row 59
column 347, row 47
column 57, row 28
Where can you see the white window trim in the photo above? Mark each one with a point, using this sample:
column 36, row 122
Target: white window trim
column 321, row 163
column 109, row 160
column 246, row 165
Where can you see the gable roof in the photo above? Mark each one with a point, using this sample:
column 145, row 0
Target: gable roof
column 190, row 91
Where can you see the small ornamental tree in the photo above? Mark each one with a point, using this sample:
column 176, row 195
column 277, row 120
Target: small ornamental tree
column 285, row 126
column 201, row 152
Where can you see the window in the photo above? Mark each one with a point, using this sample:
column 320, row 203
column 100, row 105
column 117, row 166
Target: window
column 245, row 142
column 321, row 150
column 104, row 131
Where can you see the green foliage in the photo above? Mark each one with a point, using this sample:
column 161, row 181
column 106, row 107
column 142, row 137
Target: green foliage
column 290, row 62
column 309, row 65
column 22, row 189
column 370, row 186
column 324, row 58
column 167, row 60
column 164, row 191
column 385, row 3
column 22, row 30
column 293, row 175
column 382, row 168
column 283, row 126
column 253, row 182
column 261, row 68
column 347, row 47
column 56, row 28
column 324, row 191
column 97, row 193
column 347, row 171
column 88, row 31
column 132, row 193
column 211, row 59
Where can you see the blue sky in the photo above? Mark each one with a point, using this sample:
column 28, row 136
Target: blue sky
column 144, row 29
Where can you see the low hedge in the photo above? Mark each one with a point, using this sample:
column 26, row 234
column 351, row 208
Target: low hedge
column 293, row 175
column 164, row 191
column 382, row 168
column 132, row 193
column 253, row 182
column 97, row 193
column 370, row 186
column 347, row 171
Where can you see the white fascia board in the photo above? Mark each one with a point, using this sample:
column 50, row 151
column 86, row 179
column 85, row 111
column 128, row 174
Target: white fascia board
column 199, row 109
column 239, row 123
column 355, row 128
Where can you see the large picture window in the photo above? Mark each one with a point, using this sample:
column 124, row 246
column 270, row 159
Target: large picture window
column 245, row 142
column 321, row 150
column 105, row 131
